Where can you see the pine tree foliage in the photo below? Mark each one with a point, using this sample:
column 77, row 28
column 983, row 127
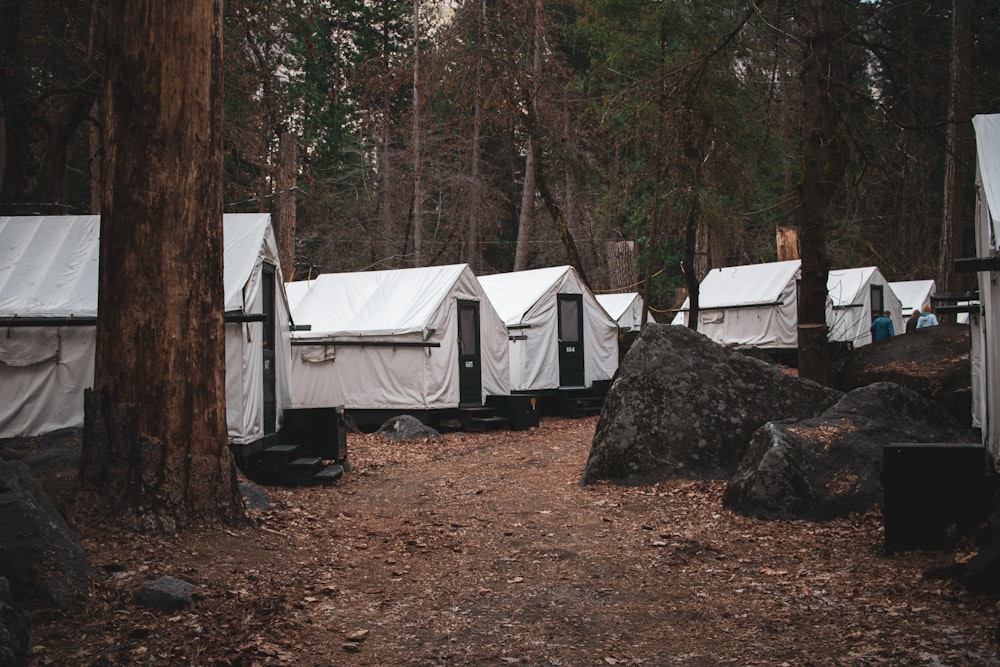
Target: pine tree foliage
column 675, row 126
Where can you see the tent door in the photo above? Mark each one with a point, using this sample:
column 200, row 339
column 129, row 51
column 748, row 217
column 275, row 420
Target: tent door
column 877, row 301
column 570, row 340
column 470, row 363
column 270, row 393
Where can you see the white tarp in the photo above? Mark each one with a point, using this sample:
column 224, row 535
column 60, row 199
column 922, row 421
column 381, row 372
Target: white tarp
column 527, row 303
column 625, row 309
column 913, row 295
column 985, row 328
column 851, row 293
column 49, row 269
column 410, row 307
column 753, row 305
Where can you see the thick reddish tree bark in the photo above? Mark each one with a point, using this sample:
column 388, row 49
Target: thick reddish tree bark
column 155, row 443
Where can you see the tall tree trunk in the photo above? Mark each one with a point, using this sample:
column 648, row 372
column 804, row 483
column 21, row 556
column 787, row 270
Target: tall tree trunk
column 526, row 217
column 155, row 444
column 958, row 150
column 822, row 169
column 473, row 256
column 525, row 221
column 418, row 194
column 284, row 202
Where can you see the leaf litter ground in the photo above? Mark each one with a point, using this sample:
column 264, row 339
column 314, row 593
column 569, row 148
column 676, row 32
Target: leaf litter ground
column 483, row 549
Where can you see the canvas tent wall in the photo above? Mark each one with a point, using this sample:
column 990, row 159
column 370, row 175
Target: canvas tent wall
column 753, row 305
column 48, row 274
column 913, row 294
column 560, row 336
column 48, row 279
column 625, row 309
column 390, row 340
column 985, row 324
column 858, row 295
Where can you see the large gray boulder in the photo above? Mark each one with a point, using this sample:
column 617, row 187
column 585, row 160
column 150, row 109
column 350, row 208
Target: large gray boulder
column 14, row 630
column 831, row 465
column 933, row 361
column 682, row 405
column 39, row 553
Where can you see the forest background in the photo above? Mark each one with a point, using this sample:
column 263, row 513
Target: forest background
column 635, row 139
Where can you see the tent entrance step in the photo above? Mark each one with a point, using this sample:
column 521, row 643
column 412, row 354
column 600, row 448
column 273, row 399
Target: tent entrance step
column 487, row 423
column 289, row 464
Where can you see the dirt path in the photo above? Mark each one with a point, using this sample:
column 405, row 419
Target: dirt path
column 484, row 550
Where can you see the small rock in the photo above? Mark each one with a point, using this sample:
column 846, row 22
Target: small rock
column 358, row 635
column 407, row 427
column 167, row 594
column 254, row 496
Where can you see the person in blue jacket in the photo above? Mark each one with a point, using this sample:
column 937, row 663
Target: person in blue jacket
column 881, row 328
column 927, row 319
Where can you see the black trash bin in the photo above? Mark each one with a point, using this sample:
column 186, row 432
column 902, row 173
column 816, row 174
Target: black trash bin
column 318, row 432
column 521, row 410
column 933, row 492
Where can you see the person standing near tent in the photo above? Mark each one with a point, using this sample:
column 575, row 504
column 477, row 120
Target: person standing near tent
column 911, row 323
column 927, row 319
column 881, row 328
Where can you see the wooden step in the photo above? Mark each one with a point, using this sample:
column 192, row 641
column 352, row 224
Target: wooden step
column 487, row 423
column 280, row 450
column 308, row 462
column 328, row 474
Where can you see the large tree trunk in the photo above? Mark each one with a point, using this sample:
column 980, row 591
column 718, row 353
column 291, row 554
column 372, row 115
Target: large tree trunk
column 154, row 445
column 284, row 202
column 959, row 150
column 822, row 168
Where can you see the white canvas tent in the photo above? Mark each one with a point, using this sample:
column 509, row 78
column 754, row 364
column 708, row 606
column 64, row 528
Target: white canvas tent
column 49, row 277
column 560, row 336
column 913, row 295
column 858, row 295
column 756, row 305
column 985, row 324
column 390, row 340
column 252, row 269
column 48, row 272
column 626, row 309
column 753, row 305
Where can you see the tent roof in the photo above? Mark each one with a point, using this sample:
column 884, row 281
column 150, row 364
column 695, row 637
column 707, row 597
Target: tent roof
column 296, row 290
column 514, row 294
column 913, row 293
column 243, row 235
column 616, row 304
column 49, row 264
column 748, row 285
column 843, row 285
column 375, row 302
column 988, row 154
